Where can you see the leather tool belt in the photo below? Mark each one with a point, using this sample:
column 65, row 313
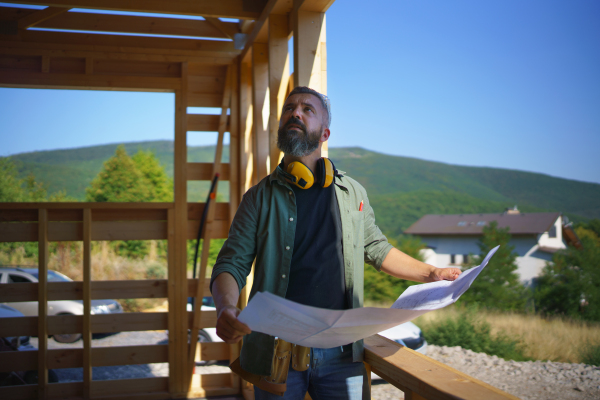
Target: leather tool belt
column 276, row 382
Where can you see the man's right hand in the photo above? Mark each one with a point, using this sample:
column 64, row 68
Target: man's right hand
column 229, row 328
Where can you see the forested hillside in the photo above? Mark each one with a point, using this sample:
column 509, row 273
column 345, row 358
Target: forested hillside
column 401, row 189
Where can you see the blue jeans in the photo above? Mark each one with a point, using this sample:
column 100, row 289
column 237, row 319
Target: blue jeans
column 331, row 375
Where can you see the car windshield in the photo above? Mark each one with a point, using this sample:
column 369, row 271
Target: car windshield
column 53, row 277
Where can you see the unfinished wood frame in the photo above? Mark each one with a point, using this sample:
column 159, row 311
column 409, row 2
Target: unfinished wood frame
column 195, row 70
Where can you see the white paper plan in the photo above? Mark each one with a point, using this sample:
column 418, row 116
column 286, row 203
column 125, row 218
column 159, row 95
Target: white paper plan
column 323, row 328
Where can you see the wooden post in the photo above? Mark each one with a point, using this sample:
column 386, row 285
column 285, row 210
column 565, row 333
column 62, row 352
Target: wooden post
column 310, row 53
column 279, row 74
column 42, row 303
column 207, row 233
column 234, row 142
column 178, row 309
column 246, row 128
column 172, row 294
column 87, row 303
column 260, row 84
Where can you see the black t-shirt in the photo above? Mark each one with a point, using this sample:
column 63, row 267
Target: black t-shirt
column 317, row 268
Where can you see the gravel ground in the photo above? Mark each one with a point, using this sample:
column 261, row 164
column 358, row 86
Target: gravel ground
column 526, row 380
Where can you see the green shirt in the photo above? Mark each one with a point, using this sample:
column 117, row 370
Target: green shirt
column 264, row 228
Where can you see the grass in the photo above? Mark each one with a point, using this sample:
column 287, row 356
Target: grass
column 555, row 339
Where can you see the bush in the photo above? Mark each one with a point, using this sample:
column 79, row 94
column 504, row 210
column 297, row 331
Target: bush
column 470, row 332
column 590, row 354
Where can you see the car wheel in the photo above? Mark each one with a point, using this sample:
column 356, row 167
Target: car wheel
column 204, row 338
column 67, row 337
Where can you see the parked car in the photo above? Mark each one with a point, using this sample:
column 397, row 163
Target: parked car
column 55, row 307
column 406, row 334
column 17, row 343
column 207, row 334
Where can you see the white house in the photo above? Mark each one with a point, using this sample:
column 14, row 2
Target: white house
column 536, row 236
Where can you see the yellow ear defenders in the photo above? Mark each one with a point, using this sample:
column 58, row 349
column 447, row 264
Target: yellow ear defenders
column 301, row 176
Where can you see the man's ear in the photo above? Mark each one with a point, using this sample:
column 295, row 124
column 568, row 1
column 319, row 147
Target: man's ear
column 325, row 135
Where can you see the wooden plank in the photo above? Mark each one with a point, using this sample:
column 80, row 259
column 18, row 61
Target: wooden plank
column 279, row 72
column 19, row 326
column 195, row 210
column 234, row 145
column 208, row 84
column 201, row 47
column 309, row 33
column 40, row 16
column 87, row 303
column 178, row 306
column 207, row 233
column 260, row 22
column 129, row 386
column 20, row 63
column 422, row 375
column 13, row 47
column 67, row 65
column 82, row 81
column 260, row 84
column 206, row 8
column 172, row 290
column 137, row 68
column 42, row 318
column 192, row 285
column 89, row 66
column 212, row 351
column 222, row 27
column 108, row 323
column 203, row 172
column 136, row 289
column 246, row 128
column 78, row 205
column 55, row 215
column 19, row 360
column 220, row 229
column 204, row 123
column 138, row 25
column 23, row 392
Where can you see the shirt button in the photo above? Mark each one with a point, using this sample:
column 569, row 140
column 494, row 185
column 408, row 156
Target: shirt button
column 291, row 219
column 287, row 247
column 290, row 192
column 283, row 276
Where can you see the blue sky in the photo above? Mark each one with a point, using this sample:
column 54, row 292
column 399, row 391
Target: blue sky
column 506, row 84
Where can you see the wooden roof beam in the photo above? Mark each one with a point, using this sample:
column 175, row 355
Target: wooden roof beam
column 40, row 16
column 222, row 27
column 240, row 9
column 128, row 24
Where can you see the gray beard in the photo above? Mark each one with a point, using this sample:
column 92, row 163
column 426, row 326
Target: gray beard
column 297, row 144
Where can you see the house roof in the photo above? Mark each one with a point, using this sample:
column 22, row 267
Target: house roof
column 473, row 224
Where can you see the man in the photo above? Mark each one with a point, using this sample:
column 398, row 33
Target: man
column 310, row 245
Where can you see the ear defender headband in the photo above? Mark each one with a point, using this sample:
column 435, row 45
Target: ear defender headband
column 301, row 176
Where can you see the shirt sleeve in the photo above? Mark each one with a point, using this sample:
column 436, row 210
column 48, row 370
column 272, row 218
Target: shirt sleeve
column 377, row 246
column 239, row 250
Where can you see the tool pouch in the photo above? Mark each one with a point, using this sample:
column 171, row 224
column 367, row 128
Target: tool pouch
column 276, row 382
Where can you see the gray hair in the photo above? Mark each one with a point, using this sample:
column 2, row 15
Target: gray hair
column 324, row 100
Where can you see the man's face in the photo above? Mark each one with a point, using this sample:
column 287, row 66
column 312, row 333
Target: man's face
column 301, row 125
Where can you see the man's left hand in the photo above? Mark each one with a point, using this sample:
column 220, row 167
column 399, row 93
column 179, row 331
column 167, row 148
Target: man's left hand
column 448, row 274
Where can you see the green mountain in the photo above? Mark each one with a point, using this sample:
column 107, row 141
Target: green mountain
column 401, row 189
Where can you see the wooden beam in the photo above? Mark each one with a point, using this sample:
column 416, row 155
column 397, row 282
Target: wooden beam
column 172, row 293
column 258, row 26
column 246, row 128
column 42, row 328
column 106, row 42
column 178, row 307
column 205, row 123
column 203, row 171
column 12, row 47
column 423, row 376
column 87, row 304
column 260, row 86
column 234, row 143
column 279, row 72
column 40, row 16
column 309, row 33
column 206, row 8
column 222, row 27
column 139, row 25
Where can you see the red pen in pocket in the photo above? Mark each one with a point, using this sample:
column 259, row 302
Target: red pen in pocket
column 361, row 205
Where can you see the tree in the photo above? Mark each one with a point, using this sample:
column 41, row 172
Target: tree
column 13, row 189
column 160, row 183
column 120, row 180
column 570, row 284
column 381, row 287
column 498, row 285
